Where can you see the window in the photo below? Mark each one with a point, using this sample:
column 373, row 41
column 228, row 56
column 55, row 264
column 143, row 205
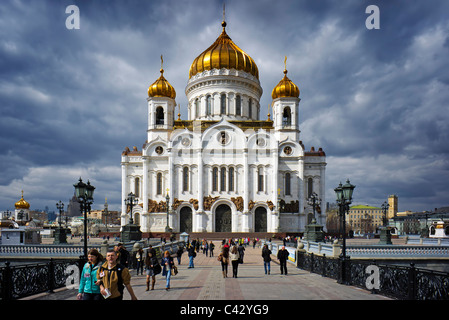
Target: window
column 159, row 183
column 260, row 179
column 137, row 187
column 197, row 108
column 287, row 184
column 231, row 179
column 223, row 104
column 185, row 179
column 159, row 115
column 223, row 179
column 309, row 187
column 250, row 108
column 238, row 106
column 208, row 105
column 215, row 179
column 287, row 117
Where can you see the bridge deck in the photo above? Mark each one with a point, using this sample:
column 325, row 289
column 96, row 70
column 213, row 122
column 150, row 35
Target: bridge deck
column 205, row 282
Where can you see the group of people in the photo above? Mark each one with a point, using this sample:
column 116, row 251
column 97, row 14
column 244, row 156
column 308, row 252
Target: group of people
column 282, row 256
column 231, row 252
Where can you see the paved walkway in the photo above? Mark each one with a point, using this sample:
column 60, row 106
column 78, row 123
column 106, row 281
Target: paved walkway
column 205, row 282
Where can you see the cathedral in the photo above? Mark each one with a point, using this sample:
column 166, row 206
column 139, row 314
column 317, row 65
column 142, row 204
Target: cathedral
column 226, row 168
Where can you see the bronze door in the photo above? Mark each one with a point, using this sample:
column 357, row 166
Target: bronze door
column 260, row 220
column 223, row 219
column 185, row 220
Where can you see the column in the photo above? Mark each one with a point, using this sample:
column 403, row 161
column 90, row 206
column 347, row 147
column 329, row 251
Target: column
column 245, row 181
column 144, row 223
column 123, row 217
column 200, row 195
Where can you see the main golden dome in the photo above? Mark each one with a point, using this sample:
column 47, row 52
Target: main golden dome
column 161, row 88
column 285, row 88
column 224, row 53
column 22, row 204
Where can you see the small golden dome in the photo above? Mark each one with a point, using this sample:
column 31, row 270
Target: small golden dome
column 22, row 204
column 285, row 88
column 161, row 87
column 224, row 53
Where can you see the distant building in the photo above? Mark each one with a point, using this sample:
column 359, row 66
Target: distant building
column 364, row 218
column 393, row 206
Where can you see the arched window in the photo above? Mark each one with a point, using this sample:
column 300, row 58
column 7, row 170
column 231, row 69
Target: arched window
column 137, row 187
column 159, row 183
column 287, row 184
column 287, row 117
column 238, row 106
column 159, row 115
column 215, row 179
column 231, row 179
column 197, row 108
column 250, row 108
column 223, row 179
column 223, row 104
column 185, row 179
column 209, row 105
column 260, row 179
column 309, row 187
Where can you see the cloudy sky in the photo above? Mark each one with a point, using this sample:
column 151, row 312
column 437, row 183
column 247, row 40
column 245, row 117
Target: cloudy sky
column 375, row 100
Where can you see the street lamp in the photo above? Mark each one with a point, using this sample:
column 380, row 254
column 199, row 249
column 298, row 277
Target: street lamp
column 167, row 198
column 384, row 207
column 131, row 201
column 344, row 199
column 60, row 233
column 85, row 194
column 314, row 201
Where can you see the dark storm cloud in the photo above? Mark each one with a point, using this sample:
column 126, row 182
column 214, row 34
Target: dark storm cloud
column 375, row 100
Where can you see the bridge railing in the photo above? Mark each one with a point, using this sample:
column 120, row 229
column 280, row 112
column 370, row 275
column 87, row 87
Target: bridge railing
column 399, row 282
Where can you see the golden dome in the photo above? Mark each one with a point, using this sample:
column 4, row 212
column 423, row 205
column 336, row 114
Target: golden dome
column 224, row 53
column 285, row 88
column 161, row 87
column 22, row 204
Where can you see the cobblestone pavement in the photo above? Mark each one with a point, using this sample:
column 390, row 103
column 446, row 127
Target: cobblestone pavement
column 206, row 282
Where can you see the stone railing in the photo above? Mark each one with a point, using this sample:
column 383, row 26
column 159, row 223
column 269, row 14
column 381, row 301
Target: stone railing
column 397, row 251
column 43, row 251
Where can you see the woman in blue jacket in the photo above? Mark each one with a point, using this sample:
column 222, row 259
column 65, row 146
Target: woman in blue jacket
column 88, row 289
column 167, row 264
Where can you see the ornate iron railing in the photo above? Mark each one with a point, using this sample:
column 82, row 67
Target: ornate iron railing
column 399, row 282
column 26, row 280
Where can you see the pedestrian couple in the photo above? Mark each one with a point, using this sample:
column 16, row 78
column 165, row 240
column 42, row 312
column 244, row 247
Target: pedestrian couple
column 282, row 257
column 104, row 280
column 153, row 268
column 229, row 254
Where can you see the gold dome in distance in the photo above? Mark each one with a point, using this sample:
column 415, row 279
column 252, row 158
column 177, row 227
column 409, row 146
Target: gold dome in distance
column 22, row 204
column 224, row 53
column 285, row 87
column 161, row 87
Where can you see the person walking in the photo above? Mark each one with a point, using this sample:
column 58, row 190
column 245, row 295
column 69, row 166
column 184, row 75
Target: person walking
column 124, row 255
column 211, row 249
column 192, row 255
column 266, row 255
column 283, row 257
column 179, row 254
column 114, row 277
column 89, row 289
column 152, row 269
column 167, row 263
column 235, row 260
column 223, row 257
column 241, row 250
column 140, row 261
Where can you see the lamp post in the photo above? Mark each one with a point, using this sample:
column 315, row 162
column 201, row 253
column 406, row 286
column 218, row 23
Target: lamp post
column 60, row 233
column 385, row 231
column 130, row 231
column 344, row 199
column 167, row 198
column 314, row 231
column 85, row 194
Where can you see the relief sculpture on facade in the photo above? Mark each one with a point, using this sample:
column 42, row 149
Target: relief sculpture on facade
column 238, row 203
column 154, row 206
column 208, row 202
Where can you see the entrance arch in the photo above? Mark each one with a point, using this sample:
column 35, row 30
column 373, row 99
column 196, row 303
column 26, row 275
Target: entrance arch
column 260, row 219
column 223, row 218
column 185, row 220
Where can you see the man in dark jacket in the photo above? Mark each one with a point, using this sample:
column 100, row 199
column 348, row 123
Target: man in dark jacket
column 283, row 257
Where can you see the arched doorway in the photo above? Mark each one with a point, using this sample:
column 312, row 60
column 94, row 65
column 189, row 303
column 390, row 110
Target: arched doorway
column 223, row 219
column 260, row 219
column 185, row 220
